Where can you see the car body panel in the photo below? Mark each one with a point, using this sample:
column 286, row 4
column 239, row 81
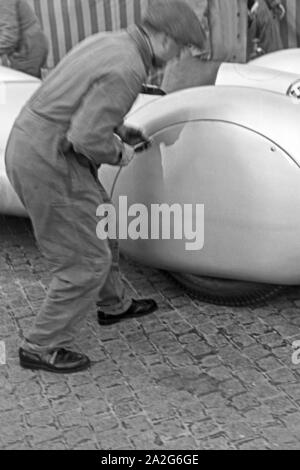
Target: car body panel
column 259, row 77
column 237, row 168
column 15, row 89
column 287, row 60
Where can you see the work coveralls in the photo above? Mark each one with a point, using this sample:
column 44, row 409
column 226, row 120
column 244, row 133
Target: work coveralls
column 84, row 99
column 23, row 45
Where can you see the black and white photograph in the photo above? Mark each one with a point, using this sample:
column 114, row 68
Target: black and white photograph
column 149, row 227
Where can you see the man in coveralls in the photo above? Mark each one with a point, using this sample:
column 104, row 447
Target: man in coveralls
column 61, row 137
column 23, row 45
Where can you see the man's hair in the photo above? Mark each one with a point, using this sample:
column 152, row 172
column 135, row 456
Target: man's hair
column 176, row 19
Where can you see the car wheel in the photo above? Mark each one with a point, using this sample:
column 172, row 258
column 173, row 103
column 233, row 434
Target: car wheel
column 227, row 292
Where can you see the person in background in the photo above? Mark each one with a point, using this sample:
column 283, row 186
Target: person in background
column 225, row 23
column 23, row 45
column 70, row 127
column 264, row 27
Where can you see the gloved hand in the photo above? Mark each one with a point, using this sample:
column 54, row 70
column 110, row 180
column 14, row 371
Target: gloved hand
column 131, row 135
column 125, row 152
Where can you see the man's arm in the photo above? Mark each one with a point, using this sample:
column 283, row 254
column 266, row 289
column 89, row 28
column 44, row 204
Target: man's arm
column 92, row 130
column 9, row 27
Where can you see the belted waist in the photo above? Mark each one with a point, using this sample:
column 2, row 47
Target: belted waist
column 68, row 150
column 28, row 119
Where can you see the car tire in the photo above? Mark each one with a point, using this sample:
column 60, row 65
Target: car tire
column 226, row 292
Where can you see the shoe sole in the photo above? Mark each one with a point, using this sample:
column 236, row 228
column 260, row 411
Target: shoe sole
column 118, row 320
column 29, row 365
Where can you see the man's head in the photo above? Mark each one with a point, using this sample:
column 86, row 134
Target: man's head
column 172, row 25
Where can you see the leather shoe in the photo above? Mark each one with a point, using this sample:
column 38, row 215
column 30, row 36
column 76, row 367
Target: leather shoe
column 138, row 308
column 60, row 361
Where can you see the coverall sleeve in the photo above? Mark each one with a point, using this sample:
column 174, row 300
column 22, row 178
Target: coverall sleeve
column 101, row 112
column 9, row 26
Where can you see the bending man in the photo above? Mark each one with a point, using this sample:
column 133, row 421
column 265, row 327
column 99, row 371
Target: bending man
column 62, row 136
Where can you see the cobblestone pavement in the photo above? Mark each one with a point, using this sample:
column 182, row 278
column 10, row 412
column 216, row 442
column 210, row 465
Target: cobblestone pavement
column 192, row 376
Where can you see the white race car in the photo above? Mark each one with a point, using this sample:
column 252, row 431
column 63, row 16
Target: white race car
column 233, row 147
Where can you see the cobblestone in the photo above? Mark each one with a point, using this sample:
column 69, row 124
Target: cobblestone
column 191, row 376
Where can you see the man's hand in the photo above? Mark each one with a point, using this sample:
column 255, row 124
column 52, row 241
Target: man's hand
column 132, row 136
column 125, row 152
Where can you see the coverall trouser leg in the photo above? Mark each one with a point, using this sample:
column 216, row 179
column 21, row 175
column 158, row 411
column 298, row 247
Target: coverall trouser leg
column 61, row 196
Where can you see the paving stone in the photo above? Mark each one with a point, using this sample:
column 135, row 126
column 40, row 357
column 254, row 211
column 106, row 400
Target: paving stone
column 40, row 418
column 94, row 406
column 245, row 401
column 86, row 445
column 180, row 359
column 292, row 390
column 117, row 393
column 147, row 441
column 70, row 419
column 258, row 417
column 278, row 436
column 254, row 444
column 65, row 404
column 38, row 434
column 113, row 440
column 292, row 422
column 280, row 405
column 231, row 388
column 204, row 429
column 271, row 340
column 21, row 445
column 239, row 430
column 282, row 376
column 136, row 424
column 86, row 391
column 233, row 357
column 269, row 363
column 221, row 373
column 264, row 390
column 213, row 400
column 200, row 349
column 191, row 412
column 101, row 423
column 126, row 408
column 170, row 428
column 34, row 402
column 216, row 443
column 180, row 443
column 13, row 434
column 160, row 411
column 58, row 390
column 78, row 435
